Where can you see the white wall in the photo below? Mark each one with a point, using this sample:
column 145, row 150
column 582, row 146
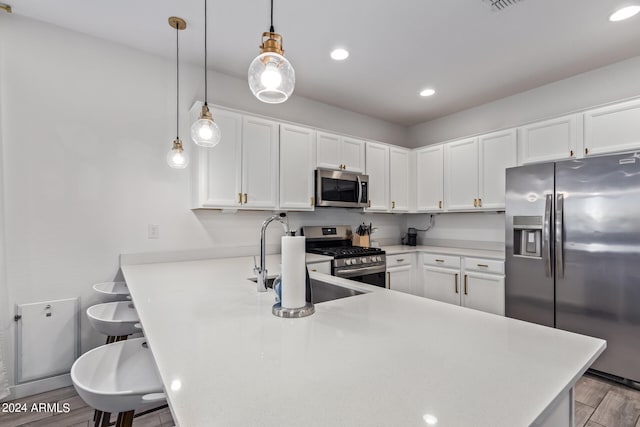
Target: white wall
column 604, row 85
column 478, row 227
column 86, row 125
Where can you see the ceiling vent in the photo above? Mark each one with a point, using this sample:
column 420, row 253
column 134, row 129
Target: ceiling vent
column 498, row 5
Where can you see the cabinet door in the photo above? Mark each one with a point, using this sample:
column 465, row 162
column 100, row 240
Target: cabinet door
column 297, row 165
column 352, row 154
column 484, row 292
column 441, row 284
column 497, row 153
column 320, row 267
column 429, row 174
column 259, row 163
column 612, row 128
column 328, row 150
column 377, row 157
column 399, row 179
column 554, row 139
column 219, row 169
column 461, row 174
column 399, row 279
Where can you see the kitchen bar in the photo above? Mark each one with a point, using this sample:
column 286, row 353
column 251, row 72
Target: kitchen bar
column 379, row 358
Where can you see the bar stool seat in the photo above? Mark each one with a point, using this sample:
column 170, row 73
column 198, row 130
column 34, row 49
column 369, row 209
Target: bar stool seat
column 112, row 291
column 114, row 318
column 118, row 378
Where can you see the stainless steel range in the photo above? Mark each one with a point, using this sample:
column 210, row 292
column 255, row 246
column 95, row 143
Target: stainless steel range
column 366, row 265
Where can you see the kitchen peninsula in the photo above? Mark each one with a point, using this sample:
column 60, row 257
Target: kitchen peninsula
column 382, row 358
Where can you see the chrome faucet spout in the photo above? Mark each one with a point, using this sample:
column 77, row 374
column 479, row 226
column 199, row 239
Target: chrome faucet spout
column 261, row 271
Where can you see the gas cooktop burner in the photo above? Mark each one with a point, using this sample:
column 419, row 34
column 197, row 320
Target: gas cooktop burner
column 346, row 252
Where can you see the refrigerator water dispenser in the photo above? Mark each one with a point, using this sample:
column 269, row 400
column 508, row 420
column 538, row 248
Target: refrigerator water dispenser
column 527, row 236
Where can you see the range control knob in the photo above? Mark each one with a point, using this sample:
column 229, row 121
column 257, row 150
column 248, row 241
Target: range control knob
column 347, row 262
column 364, row 259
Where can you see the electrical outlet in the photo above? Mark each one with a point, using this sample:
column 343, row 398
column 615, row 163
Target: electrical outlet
column 153, row 231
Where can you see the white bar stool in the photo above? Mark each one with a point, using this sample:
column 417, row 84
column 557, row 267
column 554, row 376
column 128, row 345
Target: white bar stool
column 112, row 291
column 118, row 378
column 116, row 320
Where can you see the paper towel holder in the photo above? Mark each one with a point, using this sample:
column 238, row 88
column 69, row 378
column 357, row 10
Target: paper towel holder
column 295, row 313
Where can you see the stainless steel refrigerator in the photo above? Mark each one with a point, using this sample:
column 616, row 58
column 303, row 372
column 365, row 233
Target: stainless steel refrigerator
column 573, row 252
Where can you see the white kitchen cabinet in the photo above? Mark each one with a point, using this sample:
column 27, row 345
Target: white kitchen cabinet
column 429, row 177
column 470, row 282
column 484, row 292
column 497, row 152
column 216, row 180
column 399, row 179
column 241, row 172
column 612, row 129
column 259, row 163
column 320, row 267
column 475, row 171
column 297, row 167
column 340, row 152
column 441, row 284
column 483, row 285
column 461, row 174
column 401, row 273
column 400, row 279
column 377, row 160
column 549, row 140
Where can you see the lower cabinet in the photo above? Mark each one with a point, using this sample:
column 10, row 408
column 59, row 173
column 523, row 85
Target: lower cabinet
column 400, row 273
column 320, row 267
column 470, row 282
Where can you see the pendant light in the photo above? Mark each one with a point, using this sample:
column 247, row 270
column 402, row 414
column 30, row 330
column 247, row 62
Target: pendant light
column 204, row 131
column 271, row 76
column 177, row 158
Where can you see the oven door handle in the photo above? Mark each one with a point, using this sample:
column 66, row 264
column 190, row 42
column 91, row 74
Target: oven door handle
column 359, row 190
column 359, row 271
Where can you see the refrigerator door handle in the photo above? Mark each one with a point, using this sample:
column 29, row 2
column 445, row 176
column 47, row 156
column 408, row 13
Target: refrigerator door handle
column 559, row 235
column 546, row 238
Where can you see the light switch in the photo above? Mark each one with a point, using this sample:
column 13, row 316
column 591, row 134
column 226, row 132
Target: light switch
column 153, row 231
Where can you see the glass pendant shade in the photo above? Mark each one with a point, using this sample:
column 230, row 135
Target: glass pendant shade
column 177, row 158
column 271, row 78
column 205, row 132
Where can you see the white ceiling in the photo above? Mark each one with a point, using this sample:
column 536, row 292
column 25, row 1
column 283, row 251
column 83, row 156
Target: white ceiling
column 468, row 53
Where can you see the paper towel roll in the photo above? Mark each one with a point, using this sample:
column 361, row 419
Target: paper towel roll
column 293, row 272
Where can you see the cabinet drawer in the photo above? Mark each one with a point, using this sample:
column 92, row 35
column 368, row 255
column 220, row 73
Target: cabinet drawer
column 484, row 265
column 399, row 259
column 441, row 260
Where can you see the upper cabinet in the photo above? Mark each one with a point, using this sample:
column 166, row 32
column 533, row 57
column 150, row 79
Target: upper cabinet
column 461, row 174
column 242, row 170
column 612, row 128
column 497, row 152
column 217, row 172
column 554, row 139
column 340, row 152
column 429, row 174
column 475, row 170
column 297, row 165
column 399, row 179
column 377, row 156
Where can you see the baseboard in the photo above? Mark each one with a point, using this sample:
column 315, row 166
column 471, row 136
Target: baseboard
column 40, row 386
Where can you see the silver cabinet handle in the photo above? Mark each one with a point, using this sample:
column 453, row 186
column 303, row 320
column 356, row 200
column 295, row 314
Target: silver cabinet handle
column 546, row 238
column 559, row 235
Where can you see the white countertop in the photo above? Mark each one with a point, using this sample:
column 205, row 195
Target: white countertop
column 380, row 359
column 479, row 253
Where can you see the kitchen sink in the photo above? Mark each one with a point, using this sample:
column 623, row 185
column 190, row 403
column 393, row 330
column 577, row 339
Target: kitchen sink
column 322, row 291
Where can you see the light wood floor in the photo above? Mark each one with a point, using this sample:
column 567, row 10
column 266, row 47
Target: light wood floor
column 599, row 403
column 80, row 415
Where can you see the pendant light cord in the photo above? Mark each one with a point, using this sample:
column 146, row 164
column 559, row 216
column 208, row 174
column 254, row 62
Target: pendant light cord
column 205, row 53
column 271, row 29
column 177, row 82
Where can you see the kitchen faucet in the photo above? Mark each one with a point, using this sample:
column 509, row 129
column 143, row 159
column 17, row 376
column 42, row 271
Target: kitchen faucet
column 261, row 271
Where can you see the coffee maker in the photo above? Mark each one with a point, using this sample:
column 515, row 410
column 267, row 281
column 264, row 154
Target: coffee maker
column 412, row 235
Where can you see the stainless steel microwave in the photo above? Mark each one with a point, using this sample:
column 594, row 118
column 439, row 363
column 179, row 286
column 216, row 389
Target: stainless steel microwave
column 341, row 189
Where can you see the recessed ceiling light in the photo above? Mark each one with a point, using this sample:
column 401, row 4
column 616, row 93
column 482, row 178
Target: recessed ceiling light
column 624, row 13
column 339, row 54
column 427, row 92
